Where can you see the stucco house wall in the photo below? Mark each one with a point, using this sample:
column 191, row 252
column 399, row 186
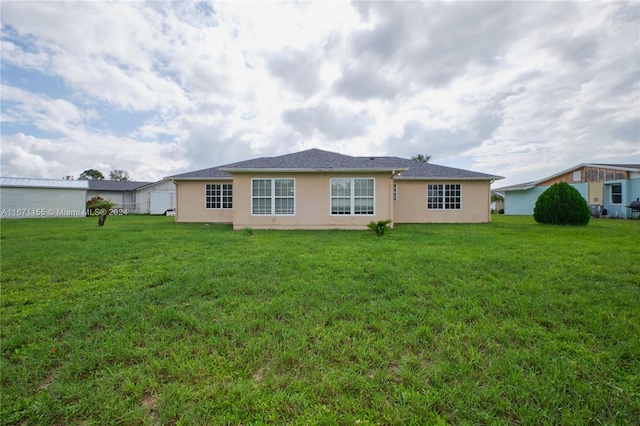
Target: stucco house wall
column 190, row 203
column 411, row 204
column 312, row 202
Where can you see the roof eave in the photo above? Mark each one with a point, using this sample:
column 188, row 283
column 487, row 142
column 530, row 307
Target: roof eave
column 315, row 170
column 523, row 188
column 489, row 178
column 607, row 166
column 174, row 178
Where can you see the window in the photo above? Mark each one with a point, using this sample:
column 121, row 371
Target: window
column 577, row 175
column 218, row 196
column 352, row 196
column 395, row 192
column 616, row 194
column 273, row 197
column 444, row 196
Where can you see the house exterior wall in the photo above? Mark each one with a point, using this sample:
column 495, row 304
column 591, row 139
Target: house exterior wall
column 634, row 188
column 411, row 204
column 312, row 202
column 23, row 202
column 522, row 202
column 630, row 192
column 596, row 193
column 190, row 203
column 143, row 195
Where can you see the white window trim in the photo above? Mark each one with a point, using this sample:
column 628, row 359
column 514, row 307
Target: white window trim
column 222, row 185
column 352, row 196
column 611, row 194
column 443, row 196
column 273, row 197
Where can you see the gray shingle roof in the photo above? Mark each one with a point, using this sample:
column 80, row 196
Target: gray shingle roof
column 319, row 160
column 114, row 185
column 418, row 170
column 211, row 173
column 310, row 160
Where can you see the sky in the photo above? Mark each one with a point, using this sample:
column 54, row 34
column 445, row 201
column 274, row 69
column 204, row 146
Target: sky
column 517, row 89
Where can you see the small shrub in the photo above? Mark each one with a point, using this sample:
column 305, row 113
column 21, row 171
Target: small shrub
column 561, row 204
column 501, row 211
column 380, row 227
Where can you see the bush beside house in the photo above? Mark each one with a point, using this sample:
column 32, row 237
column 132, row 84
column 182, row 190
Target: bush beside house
column 561, row 204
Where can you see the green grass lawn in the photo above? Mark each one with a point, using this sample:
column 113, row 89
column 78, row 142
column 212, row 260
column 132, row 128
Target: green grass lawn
column 146, row 321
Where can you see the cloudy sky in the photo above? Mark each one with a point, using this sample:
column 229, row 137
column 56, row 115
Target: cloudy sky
column 518, row 89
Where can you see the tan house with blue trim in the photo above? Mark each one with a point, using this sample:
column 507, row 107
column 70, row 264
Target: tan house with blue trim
column 317, row 189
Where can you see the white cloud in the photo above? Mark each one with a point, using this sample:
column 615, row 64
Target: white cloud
column 51, row 115
column 519, row 89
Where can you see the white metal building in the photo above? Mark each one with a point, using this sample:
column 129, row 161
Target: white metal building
column 27, row 197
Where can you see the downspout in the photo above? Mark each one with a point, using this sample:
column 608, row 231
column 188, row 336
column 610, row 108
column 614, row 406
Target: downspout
column 490, row 183
column 391, row 203
column 177, row 210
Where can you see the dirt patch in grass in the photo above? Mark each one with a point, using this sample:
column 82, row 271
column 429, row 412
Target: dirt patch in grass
column 150, row 402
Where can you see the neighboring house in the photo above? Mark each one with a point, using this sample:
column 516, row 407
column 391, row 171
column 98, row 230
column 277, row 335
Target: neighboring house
column 123, row 193
column 603, row 186
column 26, row 197
column 316, row 189
column 136, row 197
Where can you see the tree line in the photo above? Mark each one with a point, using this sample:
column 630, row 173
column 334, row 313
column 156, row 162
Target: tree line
column 93, row 174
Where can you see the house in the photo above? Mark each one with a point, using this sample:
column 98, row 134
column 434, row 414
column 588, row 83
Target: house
column 603, row 186
column 317, row 189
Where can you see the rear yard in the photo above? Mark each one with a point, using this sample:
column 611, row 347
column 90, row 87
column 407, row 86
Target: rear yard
column 146, row 321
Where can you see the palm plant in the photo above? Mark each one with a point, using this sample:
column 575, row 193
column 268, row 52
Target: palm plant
column 101, row 208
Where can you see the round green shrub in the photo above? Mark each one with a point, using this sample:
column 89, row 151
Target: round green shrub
column 561, row 204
